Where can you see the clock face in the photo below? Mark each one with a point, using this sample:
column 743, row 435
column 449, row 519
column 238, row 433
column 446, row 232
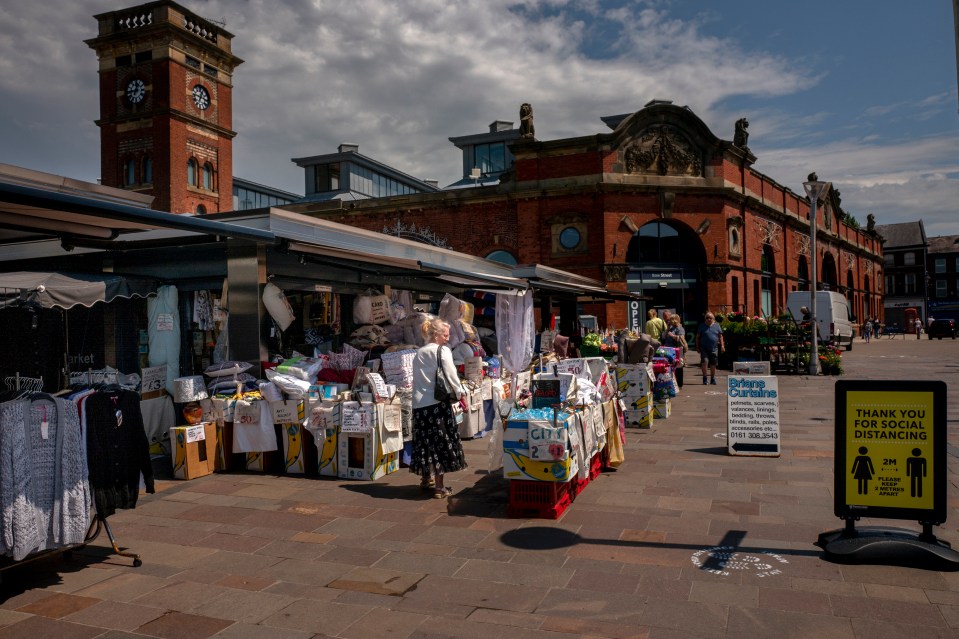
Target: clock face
column 136, row 91
column 200, row 97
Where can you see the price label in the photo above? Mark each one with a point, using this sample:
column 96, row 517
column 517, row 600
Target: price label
column 285, row 412
column 195, row 433
column 576, row 366
column 165, row 322
column 153, row 379
column 473, row 368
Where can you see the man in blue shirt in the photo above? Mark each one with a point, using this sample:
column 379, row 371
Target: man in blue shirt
column 710, row 341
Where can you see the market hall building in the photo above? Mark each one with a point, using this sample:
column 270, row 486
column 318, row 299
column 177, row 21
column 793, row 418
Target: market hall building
column 658, row 206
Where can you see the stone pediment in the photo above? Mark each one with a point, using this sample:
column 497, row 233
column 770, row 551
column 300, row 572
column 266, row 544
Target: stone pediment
column 662, row 149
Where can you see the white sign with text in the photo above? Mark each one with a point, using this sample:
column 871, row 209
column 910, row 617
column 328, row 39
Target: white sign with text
column 752, row 415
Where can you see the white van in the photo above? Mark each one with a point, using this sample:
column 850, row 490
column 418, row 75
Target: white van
column 832, row 315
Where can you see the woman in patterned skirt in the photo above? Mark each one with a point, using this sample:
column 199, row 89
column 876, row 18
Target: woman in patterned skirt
column 436, row 442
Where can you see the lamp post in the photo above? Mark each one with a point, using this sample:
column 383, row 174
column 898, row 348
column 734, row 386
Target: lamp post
column 814, row 190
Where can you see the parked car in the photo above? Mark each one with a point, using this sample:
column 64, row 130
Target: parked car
column 942, row 328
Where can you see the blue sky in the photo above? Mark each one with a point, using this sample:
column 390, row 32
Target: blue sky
column 863, row 92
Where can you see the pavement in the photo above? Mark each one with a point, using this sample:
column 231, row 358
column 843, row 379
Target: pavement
column 681, row 540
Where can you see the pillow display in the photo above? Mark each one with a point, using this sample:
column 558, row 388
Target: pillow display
column 227, row 368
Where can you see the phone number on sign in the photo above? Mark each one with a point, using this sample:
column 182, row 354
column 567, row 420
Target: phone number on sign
column 751, row 435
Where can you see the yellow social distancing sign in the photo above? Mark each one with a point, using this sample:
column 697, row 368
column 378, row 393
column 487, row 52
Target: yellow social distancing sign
column 890, row 450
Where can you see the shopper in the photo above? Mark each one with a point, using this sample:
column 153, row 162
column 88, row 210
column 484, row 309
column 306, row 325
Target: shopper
column 655, row 326
column 918, row 325
column 436, row 442
column 867, row 330
column 676, row 337
column 709, row 338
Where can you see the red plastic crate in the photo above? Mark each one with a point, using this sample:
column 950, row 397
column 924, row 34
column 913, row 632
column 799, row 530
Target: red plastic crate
column 538, row 499
column 577, row 485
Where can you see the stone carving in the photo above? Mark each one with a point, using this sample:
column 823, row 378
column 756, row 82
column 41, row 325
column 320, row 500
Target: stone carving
column 717, row 272
column 664, row 149
column 741, row 136
column 527, row 130
column 870, row 223
column 615, row 272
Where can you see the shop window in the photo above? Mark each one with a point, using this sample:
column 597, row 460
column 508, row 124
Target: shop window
column 191, row 170
column 940, row 265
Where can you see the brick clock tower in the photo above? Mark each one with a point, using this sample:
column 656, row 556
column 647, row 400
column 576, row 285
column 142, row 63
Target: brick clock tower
column 166, row 111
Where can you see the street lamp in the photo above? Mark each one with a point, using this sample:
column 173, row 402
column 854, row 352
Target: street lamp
column 814, row 190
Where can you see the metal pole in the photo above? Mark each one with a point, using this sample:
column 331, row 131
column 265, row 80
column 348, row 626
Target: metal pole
column 814, row 351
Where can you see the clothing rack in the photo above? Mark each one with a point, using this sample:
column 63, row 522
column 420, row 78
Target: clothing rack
column 17, row 383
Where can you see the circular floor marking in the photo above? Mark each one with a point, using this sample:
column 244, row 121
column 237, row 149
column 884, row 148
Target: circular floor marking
column 719, row 560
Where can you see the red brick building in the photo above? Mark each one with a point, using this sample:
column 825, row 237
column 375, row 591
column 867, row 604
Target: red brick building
column 166, row 106
column 660, row 205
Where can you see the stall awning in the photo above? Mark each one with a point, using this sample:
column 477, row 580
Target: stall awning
column 331, row 239
column 553, row 279
column 66, row 290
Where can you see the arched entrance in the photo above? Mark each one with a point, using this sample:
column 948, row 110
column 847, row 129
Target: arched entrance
column 867, row 298
column 767, row 292
column 803, row 273
column 666, row 260
column 829, row 277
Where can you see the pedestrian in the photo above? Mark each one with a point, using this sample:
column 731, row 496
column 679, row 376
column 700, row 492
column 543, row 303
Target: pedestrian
column 676, row 337
column 806, row 315
column 867, row 330
column 709, row 338
column 918, row 325
column 436, row 443
column 655, row 326
column 877, row 327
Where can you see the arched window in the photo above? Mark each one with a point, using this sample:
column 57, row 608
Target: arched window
column 503, row 257
column 658, row 243
column 208, row 176
column 191, row 172
column 129, row 173
column 803, row 274
column 147, row 169
column 767, row 265
column 200, row 209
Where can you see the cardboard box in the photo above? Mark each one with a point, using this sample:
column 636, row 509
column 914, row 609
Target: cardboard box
column 262, row 462
column 516, row 466
column 662, row 409
column 639, row 402
column 194, row 450
column 642, row 418
column 223, row 458
column 360, row 457
column 299, row 450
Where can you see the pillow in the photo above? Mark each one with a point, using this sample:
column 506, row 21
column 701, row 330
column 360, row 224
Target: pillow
column 278, row 306
column 227, row 368
column 560, row 344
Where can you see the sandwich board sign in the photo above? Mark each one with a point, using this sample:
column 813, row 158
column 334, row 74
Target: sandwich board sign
column 891, row 450
column 752, row 415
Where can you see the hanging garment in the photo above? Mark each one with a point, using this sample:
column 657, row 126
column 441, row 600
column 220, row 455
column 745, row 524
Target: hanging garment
column 164, row 332
column 515, row 329
column 45, row 499
column 203, row 310
column 117, row 449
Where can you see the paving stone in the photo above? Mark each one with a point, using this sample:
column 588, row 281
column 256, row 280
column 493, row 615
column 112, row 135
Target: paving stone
column 411, row 562
column 437, row 628
column 378, row 581
column 586, row 579
column 695, row 618
column 9, row 617
column 59, row 605
column 123, row 587
column 787, row 625
column 479, row 594
column 505, row 618
column 593, row 628
column 238, row 563
column 899, row 593
column 886, row 609
column 252, row 631
column 39, row 627
column 317, row 616
column 115, row 615
column 236, row 543
column 243, row 605
column 615, row 608
column 245, row 583
column 874, row 629
column 385, row 623
column 786, row 599
column 183, row 596
column 177, row 625
column 293, row 549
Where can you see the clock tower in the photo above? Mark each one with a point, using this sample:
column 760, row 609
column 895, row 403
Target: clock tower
column 166, row 111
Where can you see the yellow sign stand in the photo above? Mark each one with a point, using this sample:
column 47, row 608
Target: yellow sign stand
column 891, row 463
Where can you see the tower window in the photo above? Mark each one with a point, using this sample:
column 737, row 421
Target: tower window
column 211, row 71
column 147, row 170
column 129, row 173
column 193, row 62
column 327, row 178
column 144, row 56
column 124, row 60
column 191, row 172
column 208, row 176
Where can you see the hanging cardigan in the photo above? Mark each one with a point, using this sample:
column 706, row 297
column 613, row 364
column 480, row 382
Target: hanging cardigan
column 117, row 450
column 44, row 495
